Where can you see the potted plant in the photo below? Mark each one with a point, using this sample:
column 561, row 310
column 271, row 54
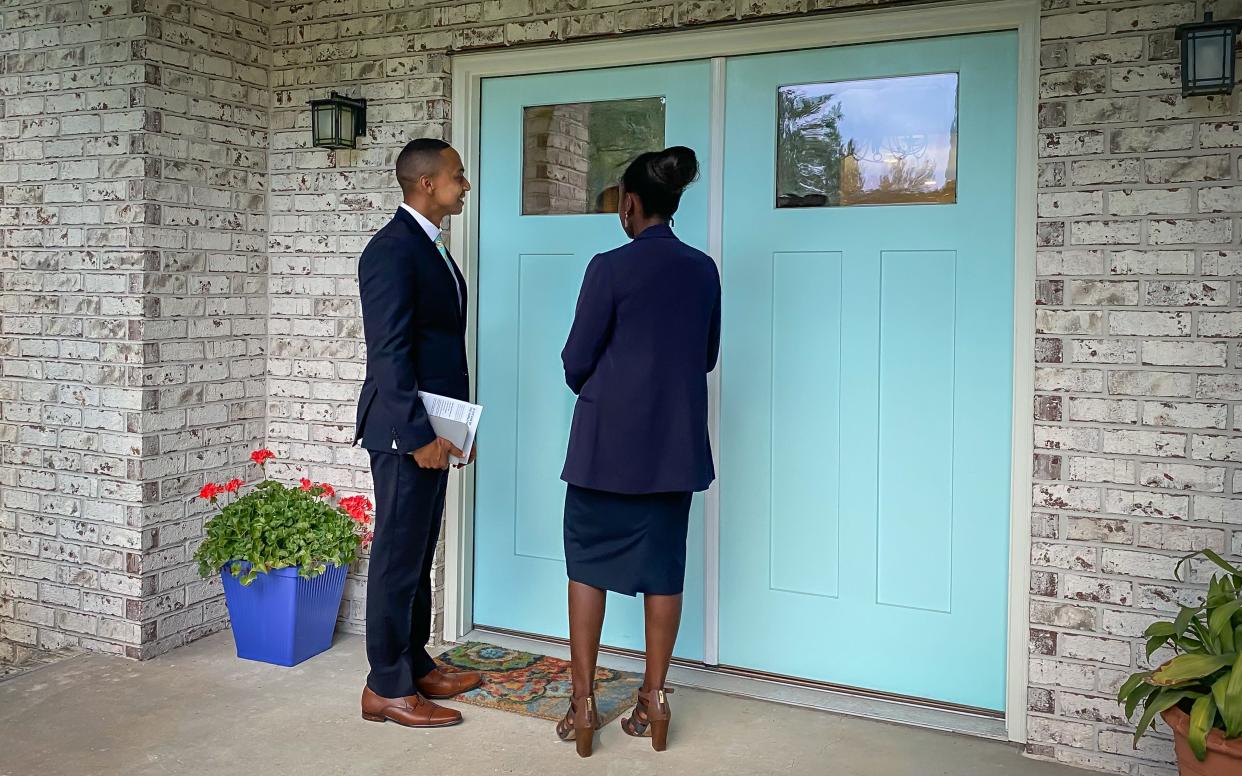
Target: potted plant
column 282, row 553
column 1198, row 692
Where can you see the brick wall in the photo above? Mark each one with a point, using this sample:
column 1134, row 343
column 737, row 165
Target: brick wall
column 1137, row 407
column 1139, row 329
column 72, row 255
column 134, row 300
column 204, row 327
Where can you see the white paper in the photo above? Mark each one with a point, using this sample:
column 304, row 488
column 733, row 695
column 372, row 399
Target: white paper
column 456, row 421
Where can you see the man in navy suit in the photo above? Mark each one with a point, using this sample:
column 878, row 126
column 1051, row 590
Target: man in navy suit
column 414, row 318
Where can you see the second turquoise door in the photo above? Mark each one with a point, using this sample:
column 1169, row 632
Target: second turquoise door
column 548, row 146
column 867, row 360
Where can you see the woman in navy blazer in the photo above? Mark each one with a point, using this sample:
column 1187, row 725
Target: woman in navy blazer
column 645, row 335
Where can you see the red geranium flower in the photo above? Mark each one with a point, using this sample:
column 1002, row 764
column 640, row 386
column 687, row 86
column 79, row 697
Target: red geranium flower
column 358, row 507
column 306, row 484
column 327, row 489
column 233, row 485
column 262, row 456
column 210, row 491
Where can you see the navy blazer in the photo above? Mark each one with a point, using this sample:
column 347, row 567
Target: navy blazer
column 645, row 335
column 415, row 333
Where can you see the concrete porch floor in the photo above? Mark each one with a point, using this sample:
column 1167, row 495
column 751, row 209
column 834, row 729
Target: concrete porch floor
column 200, row 711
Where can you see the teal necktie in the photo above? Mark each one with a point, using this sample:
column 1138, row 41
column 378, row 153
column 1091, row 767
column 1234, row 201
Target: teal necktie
column 440, row 247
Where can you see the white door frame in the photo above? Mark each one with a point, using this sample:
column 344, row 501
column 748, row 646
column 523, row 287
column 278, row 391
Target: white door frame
column 806, row 32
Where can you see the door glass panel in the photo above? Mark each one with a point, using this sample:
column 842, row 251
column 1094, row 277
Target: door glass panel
column 882, row 141
column 574, row 153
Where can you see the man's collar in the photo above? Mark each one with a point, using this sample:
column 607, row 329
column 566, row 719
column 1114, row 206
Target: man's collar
column 432, row 230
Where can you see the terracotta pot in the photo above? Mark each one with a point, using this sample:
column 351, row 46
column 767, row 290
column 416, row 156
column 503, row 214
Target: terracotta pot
column 1224, row 757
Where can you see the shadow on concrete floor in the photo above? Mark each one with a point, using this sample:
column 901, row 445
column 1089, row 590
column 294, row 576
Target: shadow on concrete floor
column 199, row 711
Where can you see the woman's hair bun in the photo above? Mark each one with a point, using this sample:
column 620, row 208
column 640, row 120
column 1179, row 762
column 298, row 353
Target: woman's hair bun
column 676, row 167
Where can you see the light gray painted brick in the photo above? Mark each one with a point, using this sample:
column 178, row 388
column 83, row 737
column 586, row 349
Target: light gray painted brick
column 1140, row 442
column 1103, row 292
column 1068, row 322
column 1220, row 325
column 1103, row 410
column 1097, row 529
column 1058, row 496
column 1067, row 438
column 1142, row 202
column 1090, row 172
column 1095, row 351
column 1154, row 324
column 1143, row 262
column 1070, row 203
column 1220, row 134
column 1150, row 383
column 1095, row 649
column 1188, row 169
column 1074, row 380
column 1160, row 353
column 1096, row 469
column 1105, row 232
column 1224, row 386
column 1209, row 447
column 1222, row 263
column 1218, row 510
column 1185, row 414
column 1172, row 137
column 1173, row 476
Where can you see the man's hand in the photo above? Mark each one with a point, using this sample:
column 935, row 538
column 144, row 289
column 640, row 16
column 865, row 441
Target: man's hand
column 435, row 455
column 473, row 452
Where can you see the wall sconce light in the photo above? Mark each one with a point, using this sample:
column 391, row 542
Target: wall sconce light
column 1208, row 55
column 337, row 121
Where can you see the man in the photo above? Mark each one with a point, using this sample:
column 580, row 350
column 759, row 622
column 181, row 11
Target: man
column 414, row 318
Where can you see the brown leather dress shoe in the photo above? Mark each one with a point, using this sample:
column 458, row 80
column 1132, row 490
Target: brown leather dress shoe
column 440, row 685
column 411, row 711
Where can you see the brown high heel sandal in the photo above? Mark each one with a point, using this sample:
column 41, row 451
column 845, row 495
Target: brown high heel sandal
column 650, row 718
column 580, row 719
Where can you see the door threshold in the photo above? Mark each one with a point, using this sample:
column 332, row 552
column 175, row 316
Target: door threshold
column 793, row 692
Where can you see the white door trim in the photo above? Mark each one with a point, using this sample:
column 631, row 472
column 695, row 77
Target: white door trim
column 807, row 32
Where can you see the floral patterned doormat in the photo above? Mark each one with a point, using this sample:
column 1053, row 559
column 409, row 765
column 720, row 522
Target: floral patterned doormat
column 536, row 685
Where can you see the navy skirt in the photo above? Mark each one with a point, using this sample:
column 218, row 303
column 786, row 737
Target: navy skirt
column 627, row 543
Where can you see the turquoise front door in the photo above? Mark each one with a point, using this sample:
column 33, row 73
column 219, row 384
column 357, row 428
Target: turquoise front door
column 550, row 148
column 867, row 361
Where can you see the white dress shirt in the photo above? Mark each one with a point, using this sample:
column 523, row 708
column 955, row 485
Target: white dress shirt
column 433, row 233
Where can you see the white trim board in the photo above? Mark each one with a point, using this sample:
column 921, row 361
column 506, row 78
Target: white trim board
column 869, row 26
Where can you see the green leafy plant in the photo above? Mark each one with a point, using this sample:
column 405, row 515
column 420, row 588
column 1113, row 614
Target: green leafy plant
column 1205, row 678
column 276, row 526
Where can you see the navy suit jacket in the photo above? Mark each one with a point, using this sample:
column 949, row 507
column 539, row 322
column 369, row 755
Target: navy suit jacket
column 415, row 333
column 645, row 335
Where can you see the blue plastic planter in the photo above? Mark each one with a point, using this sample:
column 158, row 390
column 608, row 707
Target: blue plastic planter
column 281, row 618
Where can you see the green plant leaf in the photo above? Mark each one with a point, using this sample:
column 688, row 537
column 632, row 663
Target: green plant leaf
column 1219, row 619
column 1158, row 702
column 1131, row 685
column 1219, row 561
column 1140, row 695
column 1202, row 714
column 1229, row 702
column 1184, row 668
column 1184, row 616
column 1160, row 628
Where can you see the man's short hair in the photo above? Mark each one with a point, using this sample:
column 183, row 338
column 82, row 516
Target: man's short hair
column 419, row 157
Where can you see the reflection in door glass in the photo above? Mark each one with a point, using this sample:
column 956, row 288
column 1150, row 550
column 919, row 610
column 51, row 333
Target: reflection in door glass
column 885, row 141
column 574, row 154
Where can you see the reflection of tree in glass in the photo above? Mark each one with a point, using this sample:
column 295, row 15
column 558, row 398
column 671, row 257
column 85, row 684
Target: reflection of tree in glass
column 810, row 150
column 880, row 142
column 619, row 131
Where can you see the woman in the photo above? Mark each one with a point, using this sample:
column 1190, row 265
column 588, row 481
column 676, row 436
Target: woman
column 645, row 335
